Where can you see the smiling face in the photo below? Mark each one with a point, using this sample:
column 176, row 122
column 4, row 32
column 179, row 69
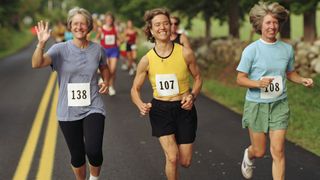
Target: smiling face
column 269, row 28
column 79, row 26
column 109, row 20
column 160, row 29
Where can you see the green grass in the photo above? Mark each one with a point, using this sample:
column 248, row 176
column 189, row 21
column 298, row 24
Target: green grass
column 17, row 40
column 304, row 128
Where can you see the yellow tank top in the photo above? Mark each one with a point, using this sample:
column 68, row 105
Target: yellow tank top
column 169, row 76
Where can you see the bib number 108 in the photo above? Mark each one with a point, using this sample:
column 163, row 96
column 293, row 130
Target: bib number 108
column 272, row 87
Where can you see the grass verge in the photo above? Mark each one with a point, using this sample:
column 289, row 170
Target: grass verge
column 17, row 40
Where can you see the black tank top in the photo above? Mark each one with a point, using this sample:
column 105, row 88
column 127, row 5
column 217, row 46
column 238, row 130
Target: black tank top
column 177, row 39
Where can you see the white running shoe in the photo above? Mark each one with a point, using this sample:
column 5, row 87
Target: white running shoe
column 124, row 67
column 246, row 166
column 131, row 72
column 112, row 91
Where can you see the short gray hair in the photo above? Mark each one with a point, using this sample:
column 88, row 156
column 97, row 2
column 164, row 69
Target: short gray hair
column 260, row 10
column 74, row 11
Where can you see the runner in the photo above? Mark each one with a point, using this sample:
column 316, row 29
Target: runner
column 80, row 111
column 109, row 40
column 173, row 115
column 264, row 67
column 131, row 36
column 176, row 37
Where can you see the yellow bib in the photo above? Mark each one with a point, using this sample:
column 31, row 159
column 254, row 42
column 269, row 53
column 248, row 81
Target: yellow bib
column 168, row 76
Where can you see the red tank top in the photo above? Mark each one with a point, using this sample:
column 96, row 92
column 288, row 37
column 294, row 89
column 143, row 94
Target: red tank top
column 109, row 38
column 131, row 37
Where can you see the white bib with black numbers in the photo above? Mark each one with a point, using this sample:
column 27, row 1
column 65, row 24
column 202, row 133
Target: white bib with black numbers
column 274, row 89
column 79, row 94
column 167, row 84
column 110, row 39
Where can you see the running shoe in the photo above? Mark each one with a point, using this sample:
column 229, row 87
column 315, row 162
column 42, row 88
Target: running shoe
column 131, row 72
column 246, row 166
column 124, row 67
column 112, row 91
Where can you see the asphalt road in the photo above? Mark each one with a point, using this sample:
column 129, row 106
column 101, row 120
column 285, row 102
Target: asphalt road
column 130, row 153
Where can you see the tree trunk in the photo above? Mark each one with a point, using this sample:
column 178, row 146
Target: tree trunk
column 285, row 31
column 233, row 18
column 309, row 25
column 207, row 29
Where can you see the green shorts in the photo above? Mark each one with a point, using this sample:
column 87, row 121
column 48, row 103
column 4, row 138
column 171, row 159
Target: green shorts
column 263, row 117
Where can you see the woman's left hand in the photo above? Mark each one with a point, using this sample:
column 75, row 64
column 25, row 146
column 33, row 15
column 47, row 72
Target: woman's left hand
column 307, row 82
column 103, row 87
column 187, row 102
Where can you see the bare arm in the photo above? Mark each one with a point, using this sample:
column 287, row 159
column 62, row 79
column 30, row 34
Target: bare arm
column 185, row 41
column 296, row 78
column 187, row 101
column 39, row 59
column 105, row 74
column 244, row 81
column 142, row 71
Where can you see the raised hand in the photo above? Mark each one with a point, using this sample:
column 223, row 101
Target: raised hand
column 43, row 31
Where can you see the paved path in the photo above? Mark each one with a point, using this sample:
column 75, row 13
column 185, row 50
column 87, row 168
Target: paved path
column 130, row 153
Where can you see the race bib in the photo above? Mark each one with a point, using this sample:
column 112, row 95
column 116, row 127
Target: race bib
column 274, row 89
column 167, row 84
column 79, row 94
column 110, row 39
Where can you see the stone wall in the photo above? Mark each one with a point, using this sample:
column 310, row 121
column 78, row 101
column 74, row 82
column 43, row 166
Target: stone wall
column 307, row 55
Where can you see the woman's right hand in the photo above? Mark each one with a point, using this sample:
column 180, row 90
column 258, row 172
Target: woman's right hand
column 43, row 31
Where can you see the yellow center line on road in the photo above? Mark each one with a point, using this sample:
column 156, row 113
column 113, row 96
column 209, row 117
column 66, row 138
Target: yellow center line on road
column 48, row 150
column 26, row 158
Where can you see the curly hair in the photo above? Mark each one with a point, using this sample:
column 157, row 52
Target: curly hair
column 74, row 11
column 148, row 16
column 260, row 10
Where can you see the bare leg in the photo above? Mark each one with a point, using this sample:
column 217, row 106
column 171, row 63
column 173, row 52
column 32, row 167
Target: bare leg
column 257, row 148
column 171, row 152
column 80, row 172
column 277, row 148
column 185, row 155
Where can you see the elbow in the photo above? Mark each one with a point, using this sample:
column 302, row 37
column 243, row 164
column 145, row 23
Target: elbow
column 35, row 66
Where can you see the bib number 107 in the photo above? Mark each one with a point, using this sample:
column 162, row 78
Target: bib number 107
column 166, row 84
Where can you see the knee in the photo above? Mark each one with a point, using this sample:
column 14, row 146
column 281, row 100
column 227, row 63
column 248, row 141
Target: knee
column 258, row 152
column 95, row 158
column 186, row 163
column 172, row 158
column 277, row 152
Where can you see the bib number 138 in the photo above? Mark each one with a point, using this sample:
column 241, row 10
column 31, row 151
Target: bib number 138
column 79, row 94
column 274, row 89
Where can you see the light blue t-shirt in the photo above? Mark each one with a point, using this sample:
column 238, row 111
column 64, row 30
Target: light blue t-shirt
column 76, row 65
column 260, row 59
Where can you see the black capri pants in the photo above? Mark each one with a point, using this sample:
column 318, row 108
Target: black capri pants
column 84, row 137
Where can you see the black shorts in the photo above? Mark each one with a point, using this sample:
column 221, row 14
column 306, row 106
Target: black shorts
column 168, row 117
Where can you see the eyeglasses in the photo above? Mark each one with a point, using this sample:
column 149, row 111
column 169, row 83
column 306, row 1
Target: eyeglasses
column 176, row 24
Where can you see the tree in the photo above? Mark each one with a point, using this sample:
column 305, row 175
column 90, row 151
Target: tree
column 233, row 18
column 308, row 9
